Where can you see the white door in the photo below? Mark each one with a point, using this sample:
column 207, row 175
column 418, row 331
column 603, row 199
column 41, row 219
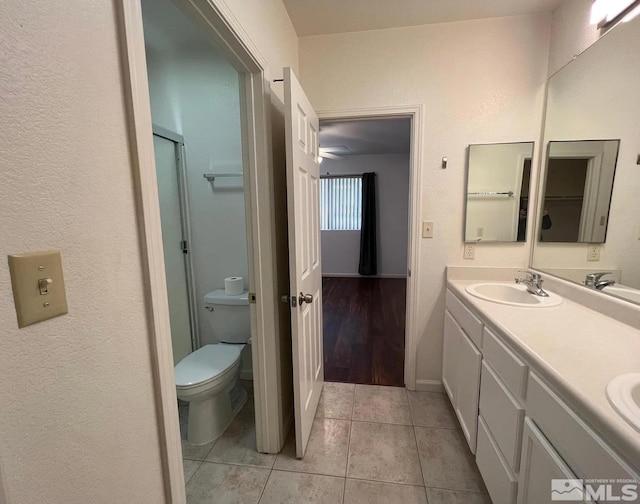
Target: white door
column 450, row 355
column 172, row 241
column 303, row 189
column 468, row 389
column 540, row 464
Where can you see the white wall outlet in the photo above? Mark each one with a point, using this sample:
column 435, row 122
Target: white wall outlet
column 469, row 251
column 427, row 229
column 593, row 253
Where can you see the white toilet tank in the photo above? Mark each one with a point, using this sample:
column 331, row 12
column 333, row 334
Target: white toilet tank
column 228, row 316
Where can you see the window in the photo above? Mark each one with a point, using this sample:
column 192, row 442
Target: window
column 340, row 203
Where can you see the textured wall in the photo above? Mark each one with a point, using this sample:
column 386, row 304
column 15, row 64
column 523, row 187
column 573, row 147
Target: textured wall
column 479, row 82
column 571, row 32
column 78, row 421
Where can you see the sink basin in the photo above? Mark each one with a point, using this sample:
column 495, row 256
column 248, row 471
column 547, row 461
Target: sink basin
column 512, row 294
column 628, row 293
column 623, row 393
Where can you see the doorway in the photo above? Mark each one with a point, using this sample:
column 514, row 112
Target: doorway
column 365, row 278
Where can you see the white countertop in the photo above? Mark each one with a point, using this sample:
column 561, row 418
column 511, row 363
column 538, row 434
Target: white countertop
column 577, row 350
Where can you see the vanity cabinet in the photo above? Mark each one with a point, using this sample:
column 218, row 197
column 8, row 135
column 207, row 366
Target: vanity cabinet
column 522, row 433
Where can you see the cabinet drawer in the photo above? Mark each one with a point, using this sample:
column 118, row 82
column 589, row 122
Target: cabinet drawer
column 506, row 364
column 503, row 415
column 588, row 456
column 471, row 324
column 500, row 481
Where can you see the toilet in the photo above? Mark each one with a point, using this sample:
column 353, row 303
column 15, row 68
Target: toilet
column 208, row 378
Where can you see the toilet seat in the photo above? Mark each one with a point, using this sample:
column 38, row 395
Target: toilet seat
column 206, row 364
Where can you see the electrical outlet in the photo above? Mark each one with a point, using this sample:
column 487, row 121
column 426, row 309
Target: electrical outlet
column 593, row 253
column 469, row 251
column 480, row 233
column 427, row 229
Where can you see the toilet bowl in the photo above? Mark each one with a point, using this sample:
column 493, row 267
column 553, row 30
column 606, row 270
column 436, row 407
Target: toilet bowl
column 208, row 378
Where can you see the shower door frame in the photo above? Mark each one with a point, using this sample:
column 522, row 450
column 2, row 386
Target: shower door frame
column 185, row 222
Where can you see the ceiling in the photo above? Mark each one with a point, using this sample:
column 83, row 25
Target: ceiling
column 367, row 136
column 320, row 17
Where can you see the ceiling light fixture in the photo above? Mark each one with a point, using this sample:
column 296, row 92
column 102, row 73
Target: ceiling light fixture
column 606, row 12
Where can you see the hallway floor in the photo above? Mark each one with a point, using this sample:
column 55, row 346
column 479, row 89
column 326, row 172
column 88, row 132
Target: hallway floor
column 364, row 330
column 369, row 445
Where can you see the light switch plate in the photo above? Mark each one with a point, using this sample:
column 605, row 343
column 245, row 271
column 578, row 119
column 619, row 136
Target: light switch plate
column 38, row 286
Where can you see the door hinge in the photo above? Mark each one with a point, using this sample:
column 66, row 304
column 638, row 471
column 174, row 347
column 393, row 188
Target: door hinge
column 252, row 297
column 183, row 246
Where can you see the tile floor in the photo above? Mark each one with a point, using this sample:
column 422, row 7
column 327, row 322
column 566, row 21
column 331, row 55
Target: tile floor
column 369, row 445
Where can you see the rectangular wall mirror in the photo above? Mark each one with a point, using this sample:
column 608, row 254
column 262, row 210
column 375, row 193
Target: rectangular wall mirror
column 577, row 192
column 594, row 97
column 497, row 200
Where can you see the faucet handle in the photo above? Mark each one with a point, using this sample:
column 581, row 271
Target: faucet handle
column 531, row 276
column 594, row 278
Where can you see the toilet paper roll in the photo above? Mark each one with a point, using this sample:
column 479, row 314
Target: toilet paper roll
column 233, row 286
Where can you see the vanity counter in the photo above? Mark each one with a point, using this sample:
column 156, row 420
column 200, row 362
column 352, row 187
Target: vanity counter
column 577, row 350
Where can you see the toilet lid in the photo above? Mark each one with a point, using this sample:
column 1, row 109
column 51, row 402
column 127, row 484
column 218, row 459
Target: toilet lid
column 206, row 363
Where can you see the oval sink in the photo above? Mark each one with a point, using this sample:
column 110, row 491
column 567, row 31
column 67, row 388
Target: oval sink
column 512, row 294
column 623, row 393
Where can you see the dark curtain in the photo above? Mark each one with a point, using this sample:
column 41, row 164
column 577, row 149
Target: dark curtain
column 368, row 240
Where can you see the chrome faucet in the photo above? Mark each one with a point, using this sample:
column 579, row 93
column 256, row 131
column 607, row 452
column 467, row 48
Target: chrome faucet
column 533, row 283
column 593, row 280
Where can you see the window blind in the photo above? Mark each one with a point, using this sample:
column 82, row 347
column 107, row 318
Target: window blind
column 341, row 203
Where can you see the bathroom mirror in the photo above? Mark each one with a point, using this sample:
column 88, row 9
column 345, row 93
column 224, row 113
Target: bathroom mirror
column 596, row 97
column 498, row 178
column 577, row 192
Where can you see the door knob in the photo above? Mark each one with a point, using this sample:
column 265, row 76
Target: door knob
column 305, row 298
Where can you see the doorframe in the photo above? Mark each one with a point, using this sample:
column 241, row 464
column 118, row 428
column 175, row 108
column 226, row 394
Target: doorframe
column 185, row 220
column 224, row 29
column 415, row 112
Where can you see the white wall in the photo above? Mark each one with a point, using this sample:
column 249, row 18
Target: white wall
column 196, row 93
column 479, row 82
column 78, row 416
column 571, row 32
column 341, row 249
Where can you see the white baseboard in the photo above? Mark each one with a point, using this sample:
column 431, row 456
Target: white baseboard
column 356, row 275
column 429, row 386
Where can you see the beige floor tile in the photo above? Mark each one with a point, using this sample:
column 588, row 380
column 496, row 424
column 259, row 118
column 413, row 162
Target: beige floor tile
column 373, row 403
column 238, row 444
column 432, row 409
column 336, row 401
column 195, row 452
column 226, row 484
column 373, row 492
column 326, row 452
column 190, row 467
column 438, row 496
column 447, row 461
column 384, row 452
column 297, row 488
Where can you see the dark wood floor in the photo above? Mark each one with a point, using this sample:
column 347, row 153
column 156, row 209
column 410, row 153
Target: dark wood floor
column 364, row 321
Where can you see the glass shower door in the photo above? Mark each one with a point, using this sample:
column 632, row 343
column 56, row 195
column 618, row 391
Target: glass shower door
column 173, row 239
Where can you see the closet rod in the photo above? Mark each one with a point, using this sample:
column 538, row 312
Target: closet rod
column 355, row 175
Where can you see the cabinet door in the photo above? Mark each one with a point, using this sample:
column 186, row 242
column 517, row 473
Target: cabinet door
column 468, row 389
column 450, row 351
column 539, row 465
